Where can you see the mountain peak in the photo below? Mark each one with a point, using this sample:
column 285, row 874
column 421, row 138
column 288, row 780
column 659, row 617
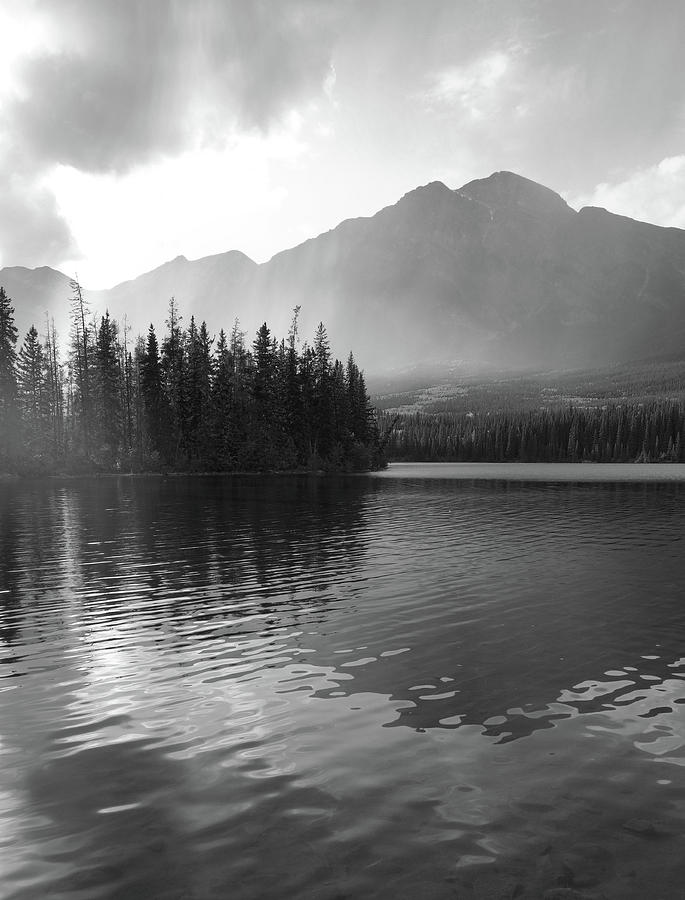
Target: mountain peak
column 509, row 189
column 500, row 270
column 432, row 189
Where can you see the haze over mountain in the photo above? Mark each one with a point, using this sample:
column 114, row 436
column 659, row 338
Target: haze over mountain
column 498, row 272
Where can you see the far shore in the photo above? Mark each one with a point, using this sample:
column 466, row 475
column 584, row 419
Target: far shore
column 35, row 476
column 538, row 471
column 582, row 471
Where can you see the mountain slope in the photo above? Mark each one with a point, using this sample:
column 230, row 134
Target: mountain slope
column 37, row 294
column 201, row 287
column 501, row 271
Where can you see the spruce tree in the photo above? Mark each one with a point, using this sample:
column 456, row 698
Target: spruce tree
column 107, row 399
column 263, row 424
column 197, row 391
column 9, row 419
column 172, row 363
column 33, row 394
column 323, row 398
column 155, row 407
column 222, row 454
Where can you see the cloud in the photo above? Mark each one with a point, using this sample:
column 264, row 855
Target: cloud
column 388, row 94
column 128, row 81
column 32, row 230
column 116, row 84
column 220, row 199
column 474, row 87
column 565, row 92
column 653, row 194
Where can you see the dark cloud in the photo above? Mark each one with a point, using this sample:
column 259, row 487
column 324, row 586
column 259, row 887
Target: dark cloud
column 125, row 82
column 32, row 232
column 604, row 86
column 134, row 80
column 589, row 90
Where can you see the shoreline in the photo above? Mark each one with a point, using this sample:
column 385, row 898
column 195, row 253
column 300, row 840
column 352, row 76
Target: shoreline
column 583, row 470
column 588, row 472
column 316, row 473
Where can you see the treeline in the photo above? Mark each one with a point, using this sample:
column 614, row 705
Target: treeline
column 182, row 402
column 626, row 432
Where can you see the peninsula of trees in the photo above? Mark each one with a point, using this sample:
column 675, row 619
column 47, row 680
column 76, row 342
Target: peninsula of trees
column 184, row 402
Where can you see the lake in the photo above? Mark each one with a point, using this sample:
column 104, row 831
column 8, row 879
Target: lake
column 435, row 682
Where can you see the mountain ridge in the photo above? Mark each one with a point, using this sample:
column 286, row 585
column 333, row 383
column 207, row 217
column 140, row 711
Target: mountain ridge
column 500, row 270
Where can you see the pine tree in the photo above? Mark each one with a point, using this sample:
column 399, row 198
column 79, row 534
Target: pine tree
column 263, row 419
column 323, row 398
column 197, row 391
column 185, row 405
column 9, row 418
column 172, row 363
column 155, row 407
column 222, row 454
column 33, row 394
column 240, row 384
column 107, row 399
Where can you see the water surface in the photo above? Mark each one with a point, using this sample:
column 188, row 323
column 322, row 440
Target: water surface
column 396, row 686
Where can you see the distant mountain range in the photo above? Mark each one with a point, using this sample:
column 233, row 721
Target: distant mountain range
column 499, row 272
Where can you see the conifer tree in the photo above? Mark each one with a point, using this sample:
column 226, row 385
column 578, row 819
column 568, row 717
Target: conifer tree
column 197, row 391
column 172, row 362
column 240, row 384
column 323, row 399
column 107, row 400
column 186, row 406
column 222, row 454
column 33, row 394
column 264, row 397
column 9, row 419
column 155, row 407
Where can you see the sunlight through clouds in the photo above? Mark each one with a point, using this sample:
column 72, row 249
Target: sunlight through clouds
column 653, row 194
column 348, row 106
column 473, row 87
column 23, row 34
column 184, row 205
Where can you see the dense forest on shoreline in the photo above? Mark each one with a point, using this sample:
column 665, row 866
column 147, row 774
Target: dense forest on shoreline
column 186, row 402
column 630, row 431
column 189, row 402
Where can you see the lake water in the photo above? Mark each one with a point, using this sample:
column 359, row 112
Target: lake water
column 438, row 682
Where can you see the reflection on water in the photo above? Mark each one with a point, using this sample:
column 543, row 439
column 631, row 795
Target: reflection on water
column 283, row 686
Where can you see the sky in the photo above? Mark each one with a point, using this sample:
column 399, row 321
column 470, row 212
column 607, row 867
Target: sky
column 133, row 132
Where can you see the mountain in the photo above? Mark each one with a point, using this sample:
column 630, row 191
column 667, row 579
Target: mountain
column 203, row 284
column 36, row 295
column 501, row 272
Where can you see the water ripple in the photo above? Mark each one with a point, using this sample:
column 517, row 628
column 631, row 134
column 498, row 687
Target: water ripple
column 370, row 684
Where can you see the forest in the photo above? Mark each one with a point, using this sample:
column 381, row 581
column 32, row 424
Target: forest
column 629, row 431
column 182, row 402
